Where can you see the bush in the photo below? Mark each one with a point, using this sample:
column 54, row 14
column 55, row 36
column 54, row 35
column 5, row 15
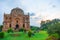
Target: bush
column 25, row 30
column 53, row 37
column 21, row 30
column 10, row 30
column 1, row 34
column 29, row 33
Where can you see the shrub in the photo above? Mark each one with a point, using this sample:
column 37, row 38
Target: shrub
column 10, row 30
column 21, row 30
column 1, row 34
column 25, row 30
column 53, row 37
column 29, row 33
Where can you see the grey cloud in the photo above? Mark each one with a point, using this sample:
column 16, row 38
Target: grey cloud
column 53, row 6
column 32, row 14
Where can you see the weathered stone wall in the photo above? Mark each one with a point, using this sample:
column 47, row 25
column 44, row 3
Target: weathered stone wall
column 16, row 17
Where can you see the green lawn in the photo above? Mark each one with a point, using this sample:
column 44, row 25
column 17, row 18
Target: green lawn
column 42, row 35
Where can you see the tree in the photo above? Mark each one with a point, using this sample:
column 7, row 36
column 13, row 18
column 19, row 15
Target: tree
column 52, row 26
column 44, row 24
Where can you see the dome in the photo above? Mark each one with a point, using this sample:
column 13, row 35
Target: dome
column 17, row 10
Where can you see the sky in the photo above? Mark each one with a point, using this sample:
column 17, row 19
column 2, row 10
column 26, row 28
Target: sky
column 38, row 9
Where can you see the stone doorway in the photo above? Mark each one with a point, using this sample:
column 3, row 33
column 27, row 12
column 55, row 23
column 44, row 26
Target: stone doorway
column 17, row 26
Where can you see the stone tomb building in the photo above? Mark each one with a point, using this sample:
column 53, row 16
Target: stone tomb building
column 16, row 20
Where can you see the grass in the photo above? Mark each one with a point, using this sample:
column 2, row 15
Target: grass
column 42, row 35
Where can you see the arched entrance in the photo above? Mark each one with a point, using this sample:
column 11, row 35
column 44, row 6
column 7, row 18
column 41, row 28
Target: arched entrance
column 17, row 26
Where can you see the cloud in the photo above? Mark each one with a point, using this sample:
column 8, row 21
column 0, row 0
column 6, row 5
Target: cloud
column 32, row 14
column 54, row 6
column 40, row 9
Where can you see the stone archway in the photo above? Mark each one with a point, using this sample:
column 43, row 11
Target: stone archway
column 17, row 26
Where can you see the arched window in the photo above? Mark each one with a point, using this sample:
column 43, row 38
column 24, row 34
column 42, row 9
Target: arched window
column 10, row 26
column 10, row 18
column 16, row 22
column 6, row 18
column 23, row 26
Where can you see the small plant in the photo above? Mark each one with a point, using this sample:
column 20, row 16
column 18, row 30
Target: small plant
column 1, row 34
column 29, row 33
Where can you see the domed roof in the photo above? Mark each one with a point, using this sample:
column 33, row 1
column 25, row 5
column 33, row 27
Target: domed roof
column 17, row 9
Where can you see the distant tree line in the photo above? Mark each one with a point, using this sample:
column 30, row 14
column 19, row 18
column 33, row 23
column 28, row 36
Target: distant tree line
column 52, row 27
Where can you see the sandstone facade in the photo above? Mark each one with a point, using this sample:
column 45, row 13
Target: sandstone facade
column 16, row 20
